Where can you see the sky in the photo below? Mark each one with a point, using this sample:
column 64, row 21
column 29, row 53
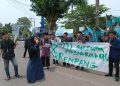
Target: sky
column 112, row 4
column 11, row 10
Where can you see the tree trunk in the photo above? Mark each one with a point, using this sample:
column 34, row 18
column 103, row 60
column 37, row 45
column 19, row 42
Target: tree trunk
column 51, row 25
column 97, row 13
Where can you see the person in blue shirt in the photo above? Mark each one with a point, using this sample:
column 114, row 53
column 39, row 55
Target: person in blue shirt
column 114, row 54
column 97, row 34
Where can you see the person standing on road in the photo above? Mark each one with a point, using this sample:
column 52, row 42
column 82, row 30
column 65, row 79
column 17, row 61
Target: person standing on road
column 65, row 39
column 114, row 54
column 80, row 38
column 53, row 38
column 45, row 50
column 2, row 38
column 26, row 45
column 8, row 54
column 35, row 70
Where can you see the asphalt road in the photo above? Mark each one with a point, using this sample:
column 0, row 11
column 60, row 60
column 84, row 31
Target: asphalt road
column 56, row 75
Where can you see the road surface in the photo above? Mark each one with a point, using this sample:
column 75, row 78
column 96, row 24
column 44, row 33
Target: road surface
column 56, row 75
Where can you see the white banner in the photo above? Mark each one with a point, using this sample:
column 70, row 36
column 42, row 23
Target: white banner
column 89, row 55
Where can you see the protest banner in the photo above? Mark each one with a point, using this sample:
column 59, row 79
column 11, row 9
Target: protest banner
column 89, row 55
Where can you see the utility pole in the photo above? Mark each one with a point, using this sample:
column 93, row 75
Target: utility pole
column 97, row 13
column 33, row 21
column 42, row 24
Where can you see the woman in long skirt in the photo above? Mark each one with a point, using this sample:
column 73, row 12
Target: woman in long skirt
column 35, row 70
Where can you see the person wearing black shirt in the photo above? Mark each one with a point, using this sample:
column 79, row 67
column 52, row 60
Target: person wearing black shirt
column 8, row 54
column 26, row 45
column 65, row 39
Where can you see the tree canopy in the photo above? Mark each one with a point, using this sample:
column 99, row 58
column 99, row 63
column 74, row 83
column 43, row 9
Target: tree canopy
column 84, row 14
column 25, row 25
column 6, row 28
column 51, row 9
column 24, row 22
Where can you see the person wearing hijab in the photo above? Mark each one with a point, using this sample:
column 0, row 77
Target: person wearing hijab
column 35, row 70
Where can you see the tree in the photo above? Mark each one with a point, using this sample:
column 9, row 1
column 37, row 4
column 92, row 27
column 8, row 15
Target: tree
column 84, row 14
column 24, row 22
column 1, row 25
column 6, row 28
column 23, row 32
column 77, row 2
column 9, row 26
column 51, row 10
column 46, row 25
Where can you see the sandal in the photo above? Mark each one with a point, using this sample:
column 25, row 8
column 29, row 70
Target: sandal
column 18, row 76
column 8, row 78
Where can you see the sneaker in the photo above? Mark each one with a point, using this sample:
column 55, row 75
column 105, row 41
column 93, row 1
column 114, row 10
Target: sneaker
column 108, row 75
column 116, row 78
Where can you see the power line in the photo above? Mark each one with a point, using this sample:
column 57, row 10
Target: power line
column 21, row 7
column 18, row 6
column 114, row 10
column 15, row 1
column 15, row 5
column 22, row 3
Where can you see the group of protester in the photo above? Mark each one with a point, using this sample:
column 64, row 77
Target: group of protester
column 39, row 53
column 110, row 37
column 114, row 54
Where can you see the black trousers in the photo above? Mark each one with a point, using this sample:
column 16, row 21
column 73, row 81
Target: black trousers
column 64, row 64
column 45, row 61
column 116, row 62
column 25, row 51
column 55, row 61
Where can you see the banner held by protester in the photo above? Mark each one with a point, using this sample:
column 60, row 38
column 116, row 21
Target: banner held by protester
column 89, row 55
